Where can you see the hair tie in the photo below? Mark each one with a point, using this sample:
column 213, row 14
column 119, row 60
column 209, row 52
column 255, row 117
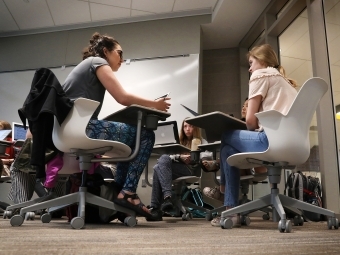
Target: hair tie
column 277, row 66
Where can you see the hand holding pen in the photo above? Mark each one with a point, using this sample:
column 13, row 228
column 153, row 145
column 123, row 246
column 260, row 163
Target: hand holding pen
column 161, row 102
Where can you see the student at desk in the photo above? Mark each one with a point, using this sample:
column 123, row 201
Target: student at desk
column 90, row 79
column 269, row 89
column 171, row 167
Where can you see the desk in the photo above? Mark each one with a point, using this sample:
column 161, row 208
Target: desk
column 170, row 149
column 129, row 115
column 215, row 123
column 210, row 146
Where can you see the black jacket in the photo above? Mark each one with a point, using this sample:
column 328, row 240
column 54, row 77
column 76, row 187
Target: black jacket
column 45, row 100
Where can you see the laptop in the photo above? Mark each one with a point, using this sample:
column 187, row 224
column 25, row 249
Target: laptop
column 4, row 134
column 166, row 133
column 18, row 131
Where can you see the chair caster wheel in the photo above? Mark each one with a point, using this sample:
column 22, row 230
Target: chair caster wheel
column 46, row 218
column 77, row 223
column 7, row 214
column 265, row 217
column 333, row 222
column 130, row 221
column 186, row 216
column 29, row 216
column 298, row 220
column 208, row 216
column 245, row 220
column 226, row 223
column 287, row 227
column 16, row 220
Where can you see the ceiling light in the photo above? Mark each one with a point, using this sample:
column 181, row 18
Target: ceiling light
column 337, row 111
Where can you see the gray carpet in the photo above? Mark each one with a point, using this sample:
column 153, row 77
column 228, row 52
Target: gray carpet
column 171, row 236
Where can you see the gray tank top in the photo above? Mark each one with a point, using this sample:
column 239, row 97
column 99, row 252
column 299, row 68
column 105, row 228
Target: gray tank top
column 83, row 82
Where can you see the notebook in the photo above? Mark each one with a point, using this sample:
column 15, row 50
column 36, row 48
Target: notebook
column 18, row 131
column 166, row 133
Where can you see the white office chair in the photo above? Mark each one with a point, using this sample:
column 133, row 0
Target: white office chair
column 71, row 138
column 289, row 146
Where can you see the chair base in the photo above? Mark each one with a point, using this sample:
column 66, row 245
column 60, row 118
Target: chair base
column 245, row 183
column 11, row 208
column 278, row 202
column 81, row 197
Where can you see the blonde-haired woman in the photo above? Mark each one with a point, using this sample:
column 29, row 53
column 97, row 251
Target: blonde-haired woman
column 170, row 167
column 269, row 89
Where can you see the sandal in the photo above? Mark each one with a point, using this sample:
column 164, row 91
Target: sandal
column 136, row 208
column 213, row 166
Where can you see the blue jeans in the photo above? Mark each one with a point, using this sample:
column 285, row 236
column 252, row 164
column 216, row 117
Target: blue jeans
column 232, row 142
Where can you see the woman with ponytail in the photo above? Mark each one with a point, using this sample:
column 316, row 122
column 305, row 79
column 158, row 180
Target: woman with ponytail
column 91, row 79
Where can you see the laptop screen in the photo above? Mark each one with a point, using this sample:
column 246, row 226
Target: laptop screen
column 18, row 131
column 166, row 133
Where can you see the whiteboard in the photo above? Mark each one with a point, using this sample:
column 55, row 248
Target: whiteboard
column 154, row 78
column 148, row 78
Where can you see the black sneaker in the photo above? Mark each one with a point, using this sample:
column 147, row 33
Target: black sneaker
column 167, row 204
column 156, row 214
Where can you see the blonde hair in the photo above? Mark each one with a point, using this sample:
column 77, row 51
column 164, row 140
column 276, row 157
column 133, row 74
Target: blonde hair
column 266, row 55
column 184, row 140
column 5, row 125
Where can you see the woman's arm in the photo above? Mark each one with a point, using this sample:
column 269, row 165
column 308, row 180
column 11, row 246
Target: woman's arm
column 113, row 86
column 253, row 107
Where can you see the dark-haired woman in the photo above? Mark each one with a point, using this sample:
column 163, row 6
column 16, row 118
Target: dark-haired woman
column 90, row 79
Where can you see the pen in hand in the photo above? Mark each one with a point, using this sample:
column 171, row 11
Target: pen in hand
column 164, row 96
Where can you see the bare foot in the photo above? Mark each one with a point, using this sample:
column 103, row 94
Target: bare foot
column 211, row 165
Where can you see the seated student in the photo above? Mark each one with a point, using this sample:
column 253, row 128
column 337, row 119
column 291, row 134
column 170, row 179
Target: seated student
column 23, row 181
column 171, row 167
column 6, row 161
column 91, row 79
column 269, row 89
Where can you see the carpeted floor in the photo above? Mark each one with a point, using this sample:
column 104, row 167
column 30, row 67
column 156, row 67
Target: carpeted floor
column 171, row 236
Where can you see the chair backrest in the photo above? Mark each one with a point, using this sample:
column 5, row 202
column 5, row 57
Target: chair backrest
column 71, row 134
column 288, row 135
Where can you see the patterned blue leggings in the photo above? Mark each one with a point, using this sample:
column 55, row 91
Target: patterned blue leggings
column 128, row 173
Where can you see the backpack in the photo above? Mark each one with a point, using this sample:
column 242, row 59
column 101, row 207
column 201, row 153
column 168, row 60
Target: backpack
column 195, row 197
column 307, row 189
